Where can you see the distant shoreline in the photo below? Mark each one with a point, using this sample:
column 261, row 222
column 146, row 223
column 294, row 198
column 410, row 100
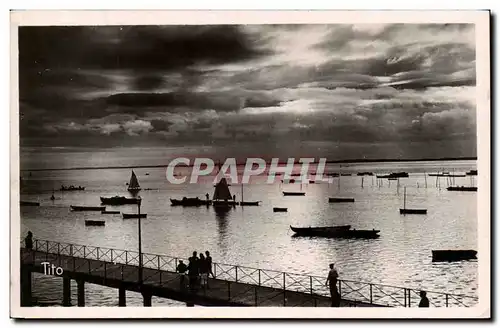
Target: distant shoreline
column 345, row 161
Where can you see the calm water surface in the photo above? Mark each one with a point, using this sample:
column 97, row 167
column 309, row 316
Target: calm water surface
column 257, row 237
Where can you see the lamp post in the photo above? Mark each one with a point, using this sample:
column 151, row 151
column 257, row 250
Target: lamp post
column 140, row 240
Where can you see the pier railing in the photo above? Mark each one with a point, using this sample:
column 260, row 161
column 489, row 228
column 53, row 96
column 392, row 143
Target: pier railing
column 350, row 290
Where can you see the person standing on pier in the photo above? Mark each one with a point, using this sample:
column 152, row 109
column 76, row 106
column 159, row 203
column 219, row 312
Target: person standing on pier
column 424, row 301
column 194, row 270
column 28, row 241
column 332, row 281
column 203, row 270
column 182, row 268
column 209, row 263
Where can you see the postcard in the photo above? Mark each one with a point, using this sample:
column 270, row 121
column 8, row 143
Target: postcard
column 250, row 164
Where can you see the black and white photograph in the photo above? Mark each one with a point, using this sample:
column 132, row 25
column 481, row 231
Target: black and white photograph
column 210, row 165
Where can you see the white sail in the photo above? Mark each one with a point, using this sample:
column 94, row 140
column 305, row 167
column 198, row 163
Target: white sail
column 133, row 184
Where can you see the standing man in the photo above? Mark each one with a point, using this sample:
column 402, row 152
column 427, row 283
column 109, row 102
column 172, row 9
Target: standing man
column 332, row 281
column 424, row 301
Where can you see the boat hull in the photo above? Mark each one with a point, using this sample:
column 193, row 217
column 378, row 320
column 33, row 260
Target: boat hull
column 453, row 255
column 280, row 209
column 249, row 203
column 118, row 200
column 24, row 203
column 336, row 232
column 293, row 193
column 134, row 216
column 462, row 188
column 340, row 200
column 189, row 202
column 87, row 208
column 110, row 212
column 412, row 211
column 94, row 223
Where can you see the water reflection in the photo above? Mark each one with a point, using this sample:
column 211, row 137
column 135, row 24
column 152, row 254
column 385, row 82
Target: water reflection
column 221, row 216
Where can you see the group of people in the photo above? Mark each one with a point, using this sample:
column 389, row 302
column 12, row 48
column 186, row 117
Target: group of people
column 332, row 279
column 197, row 270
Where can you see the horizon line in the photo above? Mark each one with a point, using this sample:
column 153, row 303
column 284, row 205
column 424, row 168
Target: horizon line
column 354, row 161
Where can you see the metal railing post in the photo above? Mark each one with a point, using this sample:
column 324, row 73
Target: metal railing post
column 158, row 256
column 98, row 253
column 112, row 255
column 84, row 253
column 311, row 283
column 71, row 249
column 371, row 293
column 236, row 270
column 126, row 257
column 409, row 297
column 446, row 300
column 259, row 277
column 58, row 249
column 405, row 296
column 340, row 289
column 284, row 289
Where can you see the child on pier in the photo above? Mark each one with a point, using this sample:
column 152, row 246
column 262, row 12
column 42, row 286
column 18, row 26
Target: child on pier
column 182, row 268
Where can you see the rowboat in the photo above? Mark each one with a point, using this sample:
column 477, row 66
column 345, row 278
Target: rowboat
column 119, row 200
column 134, row 216
column 189, row 202
column 25, row 203
column 340, row 200
column 110, row 212
column 88, row 208
column 293, row 193
column 280, row 209
column 94, row 223
column 344, row 231
column 250, row 203
column 462, row 188
column 453, row 255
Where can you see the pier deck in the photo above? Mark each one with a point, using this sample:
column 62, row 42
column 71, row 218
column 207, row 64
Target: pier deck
column 231, row 286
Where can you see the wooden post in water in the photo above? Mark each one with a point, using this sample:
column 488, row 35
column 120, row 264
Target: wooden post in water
column 404, row 199
column 425, row 178
column 362, row 181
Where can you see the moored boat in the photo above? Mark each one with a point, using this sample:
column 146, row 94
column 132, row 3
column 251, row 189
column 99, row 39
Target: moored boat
column 293, row 193
column 340, row 200
column 344, row 231
column 134, row 215
column 461, row 188
column 133, row 185
column 110, row 212
column 88, row 208
column 26, row 203
column 118, row 200
column 71, row 188
column 471, row 172
column 256, row 203
column 94, row 223
column 394, row 175
column 280, row 209
column 453, row 255
column 185, row 201
column 365, row 173
column 405, row 210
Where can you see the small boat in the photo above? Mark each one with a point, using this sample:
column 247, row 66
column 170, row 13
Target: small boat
column 394, row 175
column 25, row 203
column 453, row 255
column 280, row 209
column 133, row 185
column 189, row 202
column 471, row 172
column 312, row 181
column 344, row 231
column 110, row 212
column 293, row 193
column 222, row 196
column 88, row 208
column 147, row 173
column 134, row 216
column 365, row 173
column 71, row 188
column 250, row 203
column 94, row 223
column 461, row 188
column 340, row 200
column 446, row 174
column 405, row 210
column 119, row 200
column 345, row 174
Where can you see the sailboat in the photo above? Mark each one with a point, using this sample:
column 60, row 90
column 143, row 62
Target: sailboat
column 405, row 210
column 222, row 195
column 133, row 185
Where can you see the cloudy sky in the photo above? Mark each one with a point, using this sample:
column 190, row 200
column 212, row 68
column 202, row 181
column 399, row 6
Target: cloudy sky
column 341, row 91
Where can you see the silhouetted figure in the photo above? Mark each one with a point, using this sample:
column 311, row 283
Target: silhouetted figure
column 182, row 268
column 331, row 280
column 194, row 270
column 28, row 240
column 234, row 198
column 203, row 270
column 209, row 263
column 207, row 196
column 424, row 301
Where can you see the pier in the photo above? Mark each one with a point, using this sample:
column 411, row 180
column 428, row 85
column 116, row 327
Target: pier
column 232, row 285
